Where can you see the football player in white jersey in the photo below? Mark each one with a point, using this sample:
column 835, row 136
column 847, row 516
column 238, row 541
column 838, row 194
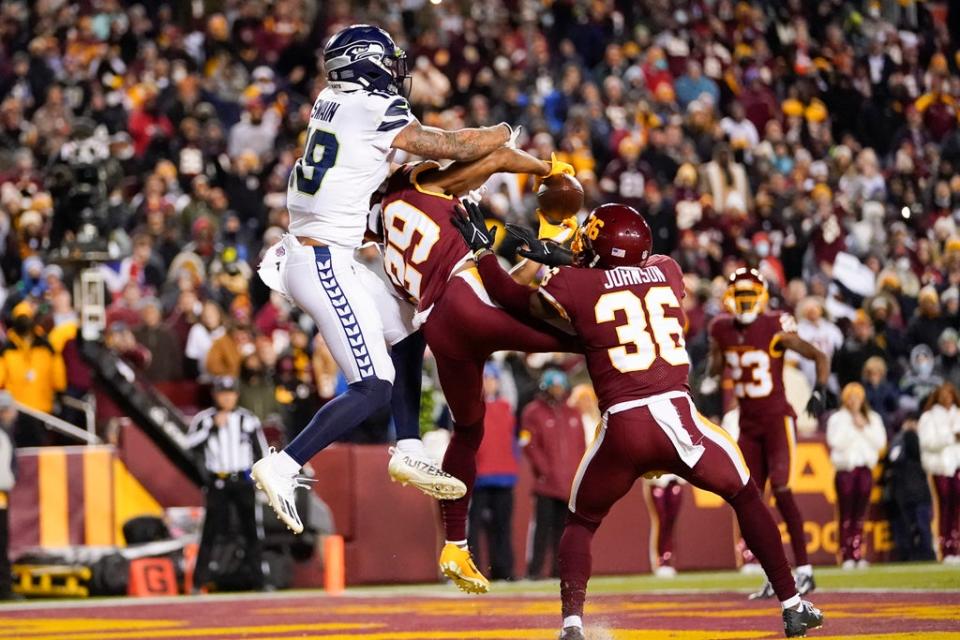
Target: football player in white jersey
column 356, row 124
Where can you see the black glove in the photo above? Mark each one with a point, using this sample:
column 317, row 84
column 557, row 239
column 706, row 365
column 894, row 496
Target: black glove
column 818, row 401
column 468, row 219
column 545, row 252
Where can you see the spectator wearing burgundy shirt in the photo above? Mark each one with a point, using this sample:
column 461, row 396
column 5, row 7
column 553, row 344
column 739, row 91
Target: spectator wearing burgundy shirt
column 491, row 509
column 552, row 433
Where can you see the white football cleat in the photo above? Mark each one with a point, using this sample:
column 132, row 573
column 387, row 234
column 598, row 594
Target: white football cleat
column 280, row 489
column 849, row 564
column 425, row 474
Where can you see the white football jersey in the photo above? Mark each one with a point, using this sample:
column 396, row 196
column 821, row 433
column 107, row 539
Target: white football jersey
column 345, row 159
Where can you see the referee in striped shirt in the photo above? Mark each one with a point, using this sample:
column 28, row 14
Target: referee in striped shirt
column 231, row 439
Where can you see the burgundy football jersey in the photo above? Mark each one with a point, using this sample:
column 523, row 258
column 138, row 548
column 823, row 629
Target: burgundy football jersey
column 421, row 245
column 631, row 322
column 754, row 357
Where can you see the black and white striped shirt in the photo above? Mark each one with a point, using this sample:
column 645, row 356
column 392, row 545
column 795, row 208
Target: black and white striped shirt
column 232, row 448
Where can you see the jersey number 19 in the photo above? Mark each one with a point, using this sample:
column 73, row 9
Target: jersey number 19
column 319, row 156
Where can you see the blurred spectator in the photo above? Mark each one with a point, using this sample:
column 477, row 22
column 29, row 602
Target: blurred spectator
column 920, row 381
column 856, row 436
column 856, row 350
column 31, row 371
column 882, row 395
column 491, row 508
column 552, row 437
column 939, row 431
column 226, row 354
column 258, row 392
column 926, row 326
column 119, row 339
column 948, row 362
column 584, row 399
column 202, row 336
column 666, row 496
column 8, row 468
column 159, row 339
column 907, row 497
column 819, row 332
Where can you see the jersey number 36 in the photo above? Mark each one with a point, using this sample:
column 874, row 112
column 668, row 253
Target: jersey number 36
column 662, row 335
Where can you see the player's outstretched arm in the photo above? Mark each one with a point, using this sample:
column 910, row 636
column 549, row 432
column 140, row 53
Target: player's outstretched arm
column 460, row 178
column 516, row 298
column 793, row 342
column 461, row 144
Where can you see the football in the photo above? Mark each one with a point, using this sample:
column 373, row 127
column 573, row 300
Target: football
column 559, row 196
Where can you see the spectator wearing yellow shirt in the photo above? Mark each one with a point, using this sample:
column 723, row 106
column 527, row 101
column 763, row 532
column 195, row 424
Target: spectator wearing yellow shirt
column 31, row 371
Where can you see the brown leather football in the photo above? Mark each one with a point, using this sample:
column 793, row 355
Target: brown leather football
column 559, row 196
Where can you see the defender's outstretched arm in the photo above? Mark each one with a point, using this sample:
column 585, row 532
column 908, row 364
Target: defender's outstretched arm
column 460, row 178
column 461, row 144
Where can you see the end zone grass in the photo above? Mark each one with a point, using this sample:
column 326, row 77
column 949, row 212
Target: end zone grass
column 928, row 576
column 889, row 602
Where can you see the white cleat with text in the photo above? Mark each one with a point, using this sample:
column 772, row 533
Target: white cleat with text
column 425, row 474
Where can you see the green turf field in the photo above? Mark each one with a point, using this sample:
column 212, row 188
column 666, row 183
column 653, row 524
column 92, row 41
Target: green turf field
column 884, row 577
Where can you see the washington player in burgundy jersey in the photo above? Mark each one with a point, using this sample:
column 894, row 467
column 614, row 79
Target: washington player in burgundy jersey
column 428, row 260
column 750, row 341
column 625, row 306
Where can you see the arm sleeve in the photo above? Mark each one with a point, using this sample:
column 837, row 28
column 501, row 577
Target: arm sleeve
column 513, row 296
column 197, row 433
column 389, row 117
column 555, row 289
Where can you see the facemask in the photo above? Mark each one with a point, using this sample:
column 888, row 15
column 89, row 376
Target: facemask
column 763, row 250
column 924, row 368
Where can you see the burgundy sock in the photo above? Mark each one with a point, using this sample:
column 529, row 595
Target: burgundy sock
column 575, row 563
column 460, row 461
column 787, row 506
column 762, row 536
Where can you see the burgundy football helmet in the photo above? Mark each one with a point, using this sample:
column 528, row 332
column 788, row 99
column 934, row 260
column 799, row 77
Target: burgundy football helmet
column 613, row 235
column 746, row 296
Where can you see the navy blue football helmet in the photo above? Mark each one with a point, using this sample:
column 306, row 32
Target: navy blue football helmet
column 367, row 56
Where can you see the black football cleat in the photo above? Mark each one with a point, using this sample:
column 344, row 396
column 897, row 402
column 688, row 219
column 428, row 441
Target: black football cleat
column 796, row 622
column 573, row 633
column 805, row 583
column 765, row 593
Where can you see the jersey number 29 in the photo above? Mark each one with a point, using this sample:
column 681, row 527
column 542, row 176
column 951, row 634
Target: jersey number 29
column 401, row 221
column 662, row 335
column 319, row 156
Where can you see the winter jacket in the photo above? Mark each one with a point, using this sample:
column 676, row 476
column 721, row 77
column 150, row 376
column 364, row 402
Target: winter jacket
column 905, row 482
column 552, row 433
column 939, row 449
column 32, row 374
column 852, row 446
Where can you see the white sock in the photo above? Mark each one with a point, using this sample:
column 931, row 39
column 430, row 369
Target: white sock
column 460, row 543
column 805, row 570
column 792, row 603
column 573, row 621
column 413, row 446
column 285, row 464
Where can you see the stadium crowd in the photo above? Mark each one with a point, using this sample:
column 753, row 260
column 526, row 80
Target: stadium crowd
column 817, row 141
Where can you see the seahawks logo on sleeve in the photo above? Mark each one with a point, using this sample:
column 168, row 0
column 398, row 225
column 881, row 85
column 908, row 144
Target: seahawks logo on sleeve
column 397, row 115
